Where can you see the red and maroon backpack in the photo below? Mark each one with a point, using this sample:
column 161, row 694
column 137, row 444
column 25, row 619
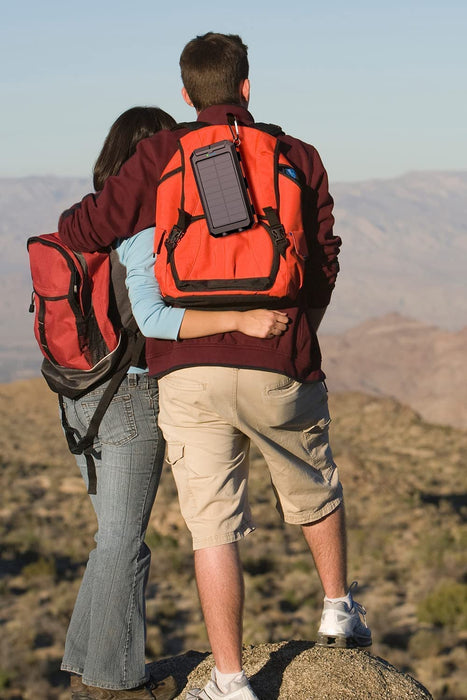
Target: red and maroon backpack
column 84, row 328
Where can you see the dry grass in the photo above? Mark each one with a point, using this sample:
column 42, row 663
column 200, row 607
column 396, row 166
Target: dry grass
column 405, row 486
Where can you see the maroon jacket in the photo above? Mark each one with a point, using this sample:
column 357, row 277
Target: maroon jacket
column 126, row 205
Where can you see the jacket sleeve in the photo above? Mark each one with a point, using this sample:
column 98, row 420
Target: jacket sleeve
column 324, row 245
column 125, row 206
column 318, row 220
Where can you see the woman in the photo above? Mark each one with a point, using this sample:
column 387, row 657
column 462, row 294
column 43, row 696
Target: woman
column 105, row 642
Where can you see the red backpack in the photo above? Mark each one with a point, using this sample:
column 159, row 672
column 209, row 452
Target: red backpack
column 260, row 265
column 84, row 328
column 71, row 300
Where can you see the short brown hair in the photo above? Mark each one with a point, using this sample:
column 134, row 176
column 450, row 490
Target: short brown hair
column 213, row 66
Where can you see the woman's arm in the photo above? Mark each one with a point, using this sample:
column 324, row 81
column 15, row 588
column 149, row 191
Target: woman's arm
column 261, row 323
column 157, row 320
column 154, row 318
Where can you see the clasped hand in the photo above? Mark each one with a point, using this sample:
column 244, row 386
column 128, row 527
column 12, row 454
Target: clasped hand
column 263, row 323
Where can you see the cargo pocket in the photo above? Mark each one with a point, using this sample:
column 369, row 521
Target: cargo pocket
column 175, row 458
column 316, row 442
column 174, row 454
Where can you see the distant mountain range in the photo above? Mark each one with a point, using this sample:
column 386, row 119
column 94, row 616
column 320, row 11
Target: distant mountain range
column 421, row 366
column 28, row 206
column 404, row 250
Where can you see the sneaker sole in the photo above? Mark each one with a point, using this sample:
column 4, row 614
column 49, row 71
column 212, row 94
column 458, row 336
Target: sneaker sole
column 340, row 642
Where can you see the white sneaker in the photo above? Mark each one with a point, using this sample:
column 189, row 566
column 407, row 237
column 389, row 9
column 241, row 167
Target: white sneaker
column 240, row 690
column 342, row 626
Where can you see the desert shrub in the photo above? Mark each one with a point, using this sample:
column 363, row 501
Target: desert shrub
column 424, row 643
column 21, row 540
column 154, row 642
column 303, row 565
column 256, row 566
column 434, row 546
column 5, row 679
column 446, row 606
column 171, row 556
column 44, row 566
column 155, row 539
column 290, row 601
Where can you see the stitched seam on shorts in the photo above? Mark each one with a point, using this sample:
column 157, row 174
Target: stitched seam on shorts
column 224, row 538
column 235, row 375
column 312, row 516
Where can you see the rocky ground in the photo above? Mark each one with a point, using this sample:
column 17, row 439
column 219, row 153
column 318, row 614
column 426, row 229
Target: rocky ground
column 299, row 671
column 405, row 485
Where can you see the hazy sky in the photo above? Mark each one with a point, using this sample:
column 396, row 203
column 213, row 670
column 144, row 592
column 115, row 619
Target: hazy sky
column 380, row 88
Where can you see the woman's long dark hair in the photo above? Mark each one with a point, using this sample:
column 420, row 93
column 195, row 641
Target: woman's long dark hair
column 125, row 133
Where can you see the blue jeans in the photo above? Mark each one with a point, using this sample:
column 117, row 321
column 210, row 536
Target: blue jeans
column 105, row 641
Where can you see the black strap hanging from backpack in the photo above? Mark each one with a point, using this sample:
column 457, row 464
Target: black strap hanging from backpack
column 85, row 445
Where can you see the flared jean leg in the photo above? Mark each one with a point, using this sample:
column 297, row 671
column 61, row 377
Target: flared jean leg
column 106, row 637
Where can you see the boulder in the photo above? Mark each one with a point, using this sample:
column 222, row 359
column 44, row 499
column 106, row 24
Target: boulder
column 299, row 670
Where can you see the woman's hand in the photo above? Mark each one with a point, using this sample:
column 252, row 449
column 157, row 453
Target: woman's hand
column 259, row 323
column 262, row 323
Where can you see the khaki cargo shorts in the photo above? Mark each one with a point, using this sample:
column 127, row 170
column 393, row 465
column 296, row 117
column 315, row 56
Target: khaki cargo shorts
column 209, row 415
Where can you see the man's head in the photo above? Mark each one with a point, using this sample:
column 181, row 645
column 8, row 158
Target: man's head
column 215, row 71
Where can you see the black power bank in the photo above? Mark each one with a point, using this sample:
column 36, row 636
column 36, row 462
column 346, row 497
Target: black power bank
column 222, row 188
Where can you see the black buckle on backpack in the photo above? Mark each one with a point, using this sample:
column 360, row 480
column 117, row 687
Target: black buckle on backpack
column 276, row 230
column 279, row 239
column 178, row 231
column 175, row 236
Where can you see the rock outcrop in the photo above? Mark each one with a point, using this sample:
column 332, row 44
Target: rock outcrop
column 298, row 670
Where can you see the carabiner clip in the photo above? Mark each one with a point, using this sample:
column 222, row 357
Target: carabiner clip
column 236, row 135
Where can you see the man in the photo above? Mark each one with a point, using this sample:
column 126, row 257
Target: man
column 215, row 396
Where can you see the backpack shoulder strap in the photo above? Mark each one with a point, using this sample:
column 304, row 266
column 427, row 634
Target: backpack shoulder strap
column 272, row 129
column 190, row 126
column 134, row 342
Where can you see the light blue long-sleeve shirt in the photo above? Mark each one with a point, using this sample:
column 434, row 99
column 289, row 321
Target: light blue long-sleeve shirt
column 154, row 318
